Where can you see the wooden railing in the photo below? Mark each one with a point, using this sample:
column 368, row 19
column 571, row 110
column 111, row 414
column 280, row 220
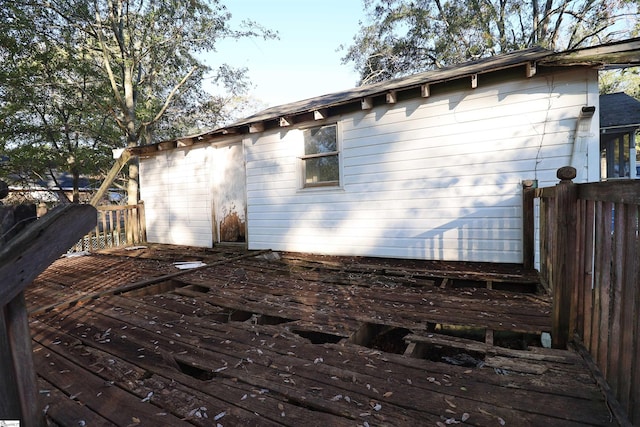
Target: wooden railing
column 116, row 226
column 589, row 250
column 28, row 248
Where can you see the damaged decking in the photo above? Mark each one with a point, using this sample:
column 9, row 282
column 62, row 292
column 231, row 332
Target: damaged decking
column 298, row 341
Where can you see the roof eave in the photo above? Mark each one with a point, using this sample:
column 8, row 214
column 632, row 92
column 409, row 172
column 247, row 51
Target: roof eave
column 617, row 54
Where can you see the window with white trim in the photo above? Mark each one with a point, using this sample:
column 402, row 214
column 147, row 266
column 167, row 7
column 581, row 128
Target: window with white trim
column 618, row 156
column 321, row 160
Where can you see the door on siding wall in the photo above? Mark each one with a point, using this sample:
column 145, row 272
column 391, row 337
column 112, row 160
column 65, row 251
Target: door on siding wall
column 229, row 194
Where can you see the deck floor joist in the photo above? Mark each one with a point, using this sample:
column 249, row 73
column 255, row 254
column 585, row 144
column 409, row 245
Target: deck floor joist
column 298, row 340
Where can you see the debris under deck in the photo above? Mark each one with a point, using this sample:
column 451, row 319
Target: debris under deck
column 259, row 339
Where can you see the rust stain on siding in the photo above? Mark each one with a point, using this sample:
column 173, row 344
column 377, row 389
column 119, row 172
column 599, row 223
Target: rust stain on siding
column 232, row 228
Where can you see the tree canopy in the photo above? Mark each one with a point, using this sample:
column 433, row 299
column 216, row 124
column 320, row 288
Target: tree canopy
column 85, row 76
column 403, row 37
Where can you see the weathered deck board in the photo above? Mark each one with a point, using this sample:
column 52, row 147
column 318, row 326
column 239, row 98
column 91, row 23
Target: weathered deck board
column 494, row 309
column 64, row 411
column 111, row 402
column 266, row 377
column 231, row 339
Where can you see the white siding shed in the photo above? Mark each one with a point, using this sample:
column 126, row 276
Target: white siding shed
column 429, row 178
column 428, row 166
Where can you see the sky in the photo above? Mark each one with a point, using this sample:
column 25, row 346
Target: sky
column 304, row 62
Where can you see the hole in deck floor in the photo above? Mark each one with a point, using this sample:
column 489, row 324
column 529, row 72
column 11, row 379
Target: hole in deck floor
column 516, row 340
column 506, row 339
column 255, row 318
column 319, row 337
column 194, row 371
column 156, row 288
column 450, row 355
column 385, row 338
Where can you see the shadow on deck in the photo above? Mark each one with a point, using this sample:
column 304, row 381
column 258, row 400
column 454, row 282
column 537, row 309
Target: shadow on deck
column 126, row 338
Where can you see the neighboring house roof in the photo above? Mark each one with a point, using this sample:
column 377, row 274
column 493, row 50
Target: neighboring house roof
column 65, row 181
column 618, row 111
column 618, row 54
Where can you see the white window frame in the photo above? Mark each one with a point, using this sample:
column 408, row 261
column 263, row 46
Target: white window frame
column 304, row 157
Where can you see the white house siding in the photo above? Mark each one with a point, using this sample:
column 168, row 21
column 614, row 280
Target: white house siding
column 176, row 188
column 432, row 178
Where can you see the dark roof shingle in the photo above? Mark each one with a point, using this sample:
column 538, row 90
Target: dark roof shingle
column 619, row 109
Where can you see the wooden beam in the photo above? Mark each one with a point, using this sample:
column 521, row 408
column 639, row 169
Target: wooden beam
column 167, row 145
column 320, row 114
column 285, row 121
column 565, row 264
column 425, row 90
column 528, row 224
column 21, row 261
column 19, row 342
column 392, row 97
column 367, row 103
column 185, row 142
column 111, row 176
column 488, row 336
column 256, row 127
column 9, row 397
column 41, row 243
column 531, row 69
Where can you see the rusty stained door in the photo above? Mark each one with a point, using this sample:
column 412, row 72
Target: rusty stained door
column 229, row 198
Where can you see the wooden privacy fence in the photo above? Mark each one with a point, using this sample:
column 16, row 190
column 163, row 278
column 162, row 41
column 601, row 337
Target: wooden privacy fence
column 590, row 259
column 116, row 226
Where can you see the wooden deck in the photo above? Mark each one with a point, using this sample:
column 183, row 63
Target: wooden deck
column 127, row 339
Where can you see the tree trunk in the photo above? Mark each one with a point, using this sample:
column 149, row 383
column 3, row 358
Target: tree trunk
column 132, row 184
column 76, row 185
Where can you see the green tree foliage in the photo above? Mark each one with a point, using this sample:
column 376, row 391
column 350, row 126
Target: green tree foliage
column 86, row 76
column 48, row 123
column 403, row 37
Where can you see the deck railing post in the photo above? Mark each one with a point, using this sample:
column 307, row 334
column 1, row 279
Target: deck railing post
column 143, row 221
column 528, row 225
column 564, row 270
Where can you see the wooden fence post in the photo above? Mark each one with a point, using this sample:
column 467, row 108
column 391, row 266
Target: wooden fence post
column 143, row 221
column 528, row 225
column 565, row 262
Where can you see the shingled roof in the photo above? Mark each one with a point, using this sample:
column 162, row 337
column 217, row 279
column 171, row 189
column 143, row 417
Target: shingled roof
column 618, row 54
column 619, row 110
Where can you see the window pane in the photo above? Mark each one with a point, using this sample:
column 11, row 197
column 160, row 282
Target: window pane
column 320, row 140
column 321, row 169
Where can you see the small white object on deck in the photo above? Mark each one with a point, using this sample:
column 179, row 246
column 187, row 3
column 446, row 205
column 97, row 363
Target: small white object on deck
column 185, row 265
column 545, row 339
